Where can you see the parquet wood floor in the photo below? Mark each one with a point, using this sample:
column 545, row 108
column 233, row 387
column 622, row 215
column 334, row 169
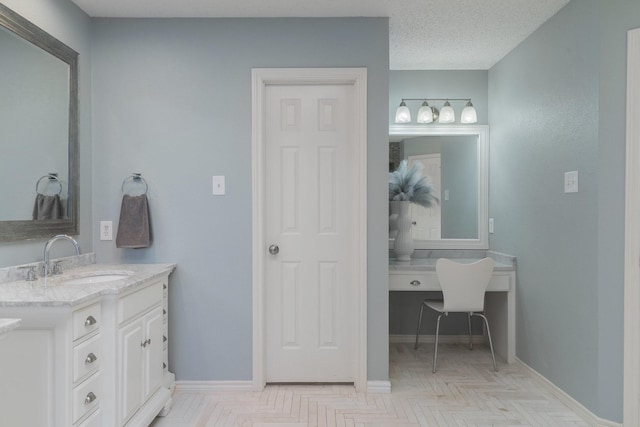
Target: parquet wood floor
column 464, row 392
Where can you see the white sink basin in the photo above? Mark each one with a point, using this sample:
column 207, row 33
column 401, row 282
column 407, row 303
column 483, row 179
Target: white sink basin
column 96, row 278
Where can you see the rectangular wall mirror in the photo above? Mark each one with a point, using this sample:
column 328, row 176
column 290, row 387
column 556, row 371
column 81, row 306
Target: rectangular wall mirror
column 456, row 161
column 39, row 138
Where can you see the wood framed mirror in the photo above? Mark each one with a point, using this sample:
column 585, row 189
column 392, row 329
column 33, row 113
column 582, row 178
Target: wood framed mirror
column 39, row 118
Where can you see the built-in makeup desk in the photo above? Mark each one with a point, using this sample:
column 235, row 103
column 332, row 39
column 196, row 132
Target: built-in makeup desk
column 500, row 301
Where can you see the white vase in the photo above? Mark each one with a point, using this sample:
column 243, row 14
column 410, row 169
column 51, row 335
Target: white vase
column 403, row 245
column 394, row 208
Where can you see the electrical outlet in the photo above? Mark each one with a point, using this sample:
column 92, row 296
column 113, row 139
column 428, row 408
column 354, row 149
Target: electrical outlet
column 106, row 230
column 571, row 182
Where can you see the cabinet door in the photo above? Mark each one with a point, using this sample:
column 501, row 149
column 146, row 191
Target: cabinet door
column 131, row 338
column 153, row 351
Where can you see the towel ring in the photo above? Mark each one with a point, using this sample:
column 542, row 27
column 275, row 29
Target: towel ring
column 136, row 177
column 52, row 177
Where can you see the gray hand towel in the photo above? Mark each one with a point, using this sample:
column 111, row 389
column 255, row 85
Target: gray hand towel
column 47, row 207
column 134, row 227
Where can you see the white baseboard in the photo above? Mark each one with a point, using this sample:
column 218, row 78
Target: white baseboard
column 205, row 386
column 380, row 387
column 214, row 386
column 573, row 404
column 442, row 339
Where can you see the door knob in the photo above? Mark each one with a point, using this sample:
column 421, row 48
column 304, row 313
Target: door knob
column 274, row 249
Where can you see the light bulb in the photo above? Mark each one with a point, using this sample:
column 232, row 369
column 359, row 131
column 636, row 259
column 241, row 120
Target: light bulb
column 425, row 113
column 447, row 115
column 403, row 115
column 469, row 114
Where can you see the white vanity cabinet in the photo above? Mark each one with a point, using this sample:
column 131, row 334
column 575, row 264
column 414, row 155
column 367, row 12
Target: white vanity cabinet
column 90, row 355
column 141, row 349
column 50, row 367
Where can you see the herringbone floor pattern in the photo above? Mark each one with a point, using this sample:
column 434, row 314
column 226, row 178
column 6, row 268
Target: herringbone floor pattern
column 464, row 392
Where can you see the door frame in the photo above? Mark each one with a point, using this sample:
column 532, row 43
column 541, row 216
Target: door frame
column 260, row 79
column 631, row 411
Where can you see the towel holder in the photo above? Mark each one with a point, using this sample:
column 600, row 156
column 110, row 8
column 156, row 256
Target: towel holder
column 137, row 178
column 52, row 176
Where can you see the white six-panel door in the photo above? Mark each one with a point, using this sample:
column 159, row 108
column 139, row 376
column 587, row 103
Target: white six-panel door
column 309, row 288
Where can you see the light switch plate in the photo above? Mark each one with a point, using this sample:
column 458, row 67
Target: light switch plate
column 219, row 186
column 491, row 225
column 571, row 182
column 106, row 230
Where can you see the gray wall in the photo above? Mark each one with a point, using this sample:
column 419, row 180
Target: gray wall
column 66, row 22
column 558, row 104
column 172, row 100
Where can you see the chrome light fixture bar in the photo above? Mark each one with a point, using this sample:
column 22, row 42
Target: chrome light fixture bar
column 430, row 114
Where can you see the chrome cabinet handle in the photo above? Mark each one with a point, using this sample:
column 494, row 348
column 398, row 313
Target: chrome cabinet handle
column 145, row 342
column 90, row 398
column 274, row 249
column 415, row 282
column 164, row 365
column 90, row 359
column 164, row 339
column 90, row 321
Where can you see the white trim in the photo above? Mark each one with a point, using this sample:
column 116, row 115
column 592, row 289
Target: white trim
column 442, row 339
column 569, row 401
column 379, row 387
column 356, row 77
column 208, row 386
column 631, row 411
column 482, row 131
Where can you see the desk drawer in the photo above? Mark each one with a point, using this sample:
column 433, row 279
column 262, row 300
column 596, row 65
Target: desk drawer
column 500, row 281
column 412, row 281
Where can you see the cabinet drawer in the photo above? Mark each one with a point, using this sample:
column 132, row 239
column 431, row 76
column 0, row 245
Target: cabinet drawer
column 138, row 302
column 86, row 320
column 94, row 420
column 86, row 357
column 413, row 282
column 86, row 396
column 499, row 282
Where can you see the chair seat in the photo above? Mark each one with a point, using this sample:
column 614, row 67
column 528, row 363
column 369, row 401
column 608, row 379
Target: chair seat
column 436, row 305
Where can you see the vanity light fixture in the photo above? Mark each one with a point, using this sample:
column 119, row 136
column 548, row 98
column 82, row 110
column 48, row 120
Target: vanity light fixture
column 430, row 114
column 469, row 114
column 447, row 115
column 403, row 115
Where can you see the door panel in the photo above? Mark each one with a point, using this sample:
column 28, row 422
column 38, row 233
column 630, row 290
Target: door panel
column 309, row 214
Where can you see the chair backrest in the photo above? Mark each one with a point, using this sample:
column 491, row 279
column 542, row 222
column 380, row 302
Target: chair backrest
column 464, row 284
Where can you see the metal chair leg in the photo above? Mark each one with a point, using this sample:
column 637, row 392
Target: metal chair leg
column 415, row 347
column 435, row 350
column 470, row 339
column 486, row 322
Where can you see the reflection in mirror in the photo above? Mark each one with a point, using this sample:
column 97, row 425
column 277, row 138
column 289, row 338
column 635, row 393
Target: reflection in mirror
column 450, row 163
column 455, row 159
column 38, row 118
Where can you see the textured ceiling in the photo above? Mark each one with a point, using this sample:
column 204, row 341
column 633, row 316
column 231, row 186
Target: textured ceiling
column 424, row 34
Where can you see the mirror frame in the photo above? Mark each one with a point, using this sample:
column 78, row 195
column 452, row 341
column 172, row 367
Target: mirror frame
column 30, row 229
column 482, row 132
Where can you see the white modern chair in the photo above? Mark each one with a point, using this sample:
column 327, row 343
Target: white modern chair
column 463, row 288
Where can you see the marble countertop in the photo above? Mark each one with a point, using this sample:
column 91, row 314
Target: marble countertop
column 56, row 293
column 429, row 264
column 7, row 325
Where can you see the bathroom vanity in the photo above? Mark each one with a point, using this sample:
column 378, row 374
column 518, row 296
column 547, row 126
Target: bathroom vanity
column 419, row 274
column 91, row 348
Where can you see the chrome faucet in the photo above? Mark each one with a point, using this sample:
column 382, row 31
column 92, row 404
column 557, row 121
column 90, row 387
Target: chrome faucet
column 47, row 246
